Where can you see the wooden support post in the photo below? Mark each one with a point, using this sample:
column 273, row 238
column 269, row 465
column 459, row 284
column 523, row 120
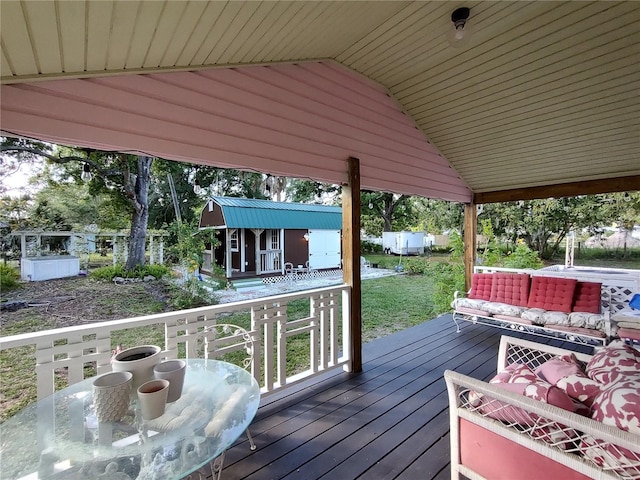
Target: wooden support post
column 351, row 205
column 469, row 242
column 228, row 252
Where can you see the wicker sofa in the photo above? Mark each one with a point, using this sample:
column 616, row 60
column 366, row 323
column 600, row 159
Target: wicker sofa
column 510, row 428
column 578, row 311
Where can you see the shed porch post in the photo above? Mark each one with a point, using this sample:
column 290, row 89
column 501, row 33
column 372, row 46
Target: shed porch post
column 228, row 251
column 469, row 243
column 351, row 205
column 242, row 243
column 256, row 233
column 282, row 251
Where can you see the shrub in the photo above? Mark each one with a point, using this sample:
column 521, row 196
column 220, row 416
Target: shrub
column 108, row 273
column 447, row 278
column 156, row 270
column 440, row 249
column 112, row 271
column 370, row 247
column 191, row 294
column 523, row 257
column 416, row 265
column 9, row 277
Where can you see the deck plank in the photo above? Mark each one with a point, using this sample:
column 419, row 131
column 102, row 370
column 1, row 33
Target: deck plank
column 388, row 422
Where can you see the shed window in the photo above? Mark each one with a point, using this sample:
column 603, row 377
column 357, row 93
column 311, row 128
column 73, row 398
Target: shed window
column 233, row 241
column 275, row 239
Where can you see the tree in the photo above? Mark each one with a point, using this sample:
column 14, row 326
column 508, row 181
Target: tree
column 624, row 211
column 544, row 224
column 230, row 183
column 437, row 216
column 14, row 211
column 392, row 208
column 308, row 191
column 66, row 206
column 125, row 177
column 162, row 210
column 276, row 187
column 138, row 193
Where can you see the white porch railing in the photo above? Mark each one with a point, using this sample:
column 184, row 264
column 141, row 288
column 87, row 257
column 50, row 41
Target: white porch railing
column 270, row 261
column 326, row 329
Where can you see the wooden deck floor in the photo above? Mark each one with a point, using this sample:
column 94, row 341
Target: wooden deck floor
column 388, row 422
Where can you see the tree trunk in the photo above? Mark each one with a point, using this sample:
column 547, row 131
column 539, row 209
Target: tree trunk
column 390, row 204
column 388, row 207
column 139, row 194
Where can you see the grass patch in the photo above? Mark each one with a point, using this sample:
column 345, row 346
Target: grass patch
column 390, row 304
column 18, row 372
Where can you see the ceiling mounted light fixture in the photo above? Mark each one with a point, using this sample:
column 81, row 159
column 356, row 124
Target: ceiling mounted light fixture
column 461, row 31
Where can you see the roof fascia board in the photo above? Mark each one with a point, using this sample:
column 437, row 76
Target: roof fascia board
column 145, row 71
column 572, row 189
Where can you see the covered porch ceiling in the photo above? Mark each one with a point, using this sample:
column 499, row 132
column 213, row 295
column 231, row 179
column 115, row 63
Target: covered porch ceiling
column 543, row 100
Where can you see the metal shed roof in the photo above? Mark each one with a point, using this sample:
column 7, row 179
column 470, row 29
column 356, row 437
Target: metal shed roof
column 252, row 213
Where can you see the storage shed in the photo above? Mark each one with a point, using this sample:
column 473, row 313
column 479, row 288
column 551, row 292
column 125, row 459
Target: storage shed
column 257, row 237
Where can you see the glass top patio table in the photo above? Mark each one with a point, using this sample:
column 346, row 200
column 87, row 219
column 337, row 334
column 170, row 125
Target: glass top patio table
column 59, row 437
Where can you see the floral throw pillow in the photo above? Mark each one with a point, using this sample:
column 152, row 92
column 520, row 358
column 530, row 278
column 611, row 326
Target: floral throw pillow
column 515, row 373
column 566, row 373
column 520, row 379
column 617, row 405
column 607, row 365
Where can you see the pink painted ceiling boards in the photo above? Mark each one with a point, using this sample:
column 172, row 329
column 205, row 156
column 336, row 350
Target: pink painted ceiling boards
column 541, row 101
column 300, row 120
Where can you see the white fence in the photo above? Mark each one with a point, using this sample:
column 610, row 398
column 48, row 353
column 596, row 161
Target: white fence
column 326, row 329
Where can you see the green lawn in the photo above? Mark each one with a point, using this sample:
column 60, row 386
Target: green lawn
column 394, row 303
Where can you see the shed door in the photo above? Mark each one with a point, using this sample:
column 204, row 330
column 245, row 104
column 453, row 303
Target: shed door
column 324, row 249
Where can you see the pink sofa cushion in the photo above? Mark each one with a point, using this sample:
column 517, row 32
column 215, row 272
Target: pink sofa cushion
column 630, row 333
column 581, row 331
column 473, row 311
column 511, row 288
column 513, row 319
column 586, row 297
column 551, row 293
column 481, row 286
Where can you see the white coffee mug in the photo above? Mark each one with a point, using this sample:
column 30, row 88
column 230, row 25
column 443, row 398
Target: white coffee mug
column 174, row 371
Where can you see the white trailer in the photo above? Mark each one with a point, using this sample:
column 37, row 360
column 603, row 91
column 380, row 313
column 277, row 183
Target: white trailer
column 403, row 243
